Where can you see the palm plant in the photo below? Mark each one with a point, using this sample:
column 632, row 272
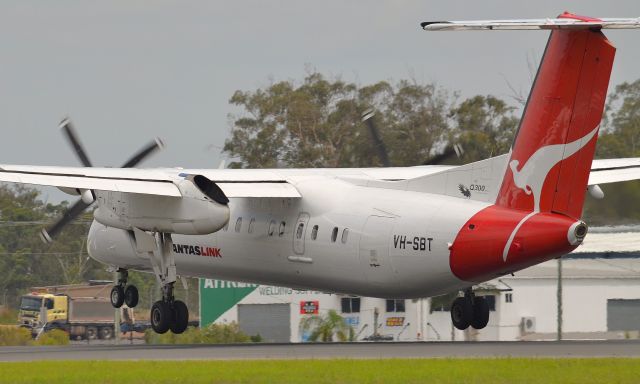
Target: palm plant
column 327, row 327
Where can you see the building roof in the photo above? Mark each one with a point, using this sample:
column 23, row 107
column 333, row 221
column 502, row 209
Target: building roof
column 611, row 242
column 621, row 268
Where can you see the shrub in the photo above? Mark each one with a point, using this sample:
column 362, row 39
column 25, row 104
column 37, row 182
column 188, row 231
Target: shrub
column 213, row 334
column 8, row 316
column 12, row 335
column 53, row 337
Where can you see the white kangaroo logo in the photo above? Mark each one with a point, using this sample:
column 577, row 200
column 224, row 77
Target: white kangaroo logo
column 530, row 178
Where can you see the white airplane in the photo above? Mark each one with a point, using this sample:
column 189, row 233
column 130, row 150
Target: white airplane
column 382, row 232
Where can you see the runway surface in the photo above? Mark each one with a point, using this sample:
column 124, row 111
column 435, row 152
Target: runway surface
column 611, row 348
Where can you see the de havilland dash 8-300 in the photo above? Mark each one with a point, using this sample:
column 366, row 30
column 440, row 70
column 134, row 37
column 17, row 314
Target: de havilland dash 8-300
column 382, row 232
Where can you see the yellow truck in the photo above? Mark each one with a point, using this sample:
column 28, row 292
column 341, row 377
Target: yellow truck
column 81, row 310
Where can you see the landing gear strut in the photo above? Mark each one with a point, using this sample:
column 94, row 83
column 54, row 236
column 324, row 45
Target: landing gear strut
column 168, row 313
column 470, row 310
column 121, row 293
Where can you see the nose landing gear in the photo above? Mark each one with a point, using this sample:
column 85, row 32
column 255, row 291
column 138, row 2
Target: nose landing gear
column 470, row 310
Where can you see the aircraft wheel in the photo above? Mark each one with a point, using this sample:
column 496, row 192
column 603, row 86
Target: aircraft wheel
column 461, row 313
column 180, row 317
column 131, row 296
column 161, row 317
column 117, row 296
column 480, row 313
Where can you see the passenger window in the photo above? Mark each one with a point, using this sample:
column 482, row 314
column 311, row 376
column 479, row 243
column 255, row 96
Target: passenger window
column 252, row 224
column 314, row 232
column 281, row 231
column 272, row 227
column 299, row 230
column 334, row 234
column 239, row 224
column 345, row 235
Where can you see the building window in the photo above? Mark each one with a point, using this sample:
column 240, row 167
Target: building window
column 252, row 224
column 491, row 302
column 334, row 234
column 314, row 232
column 508, row 297
column 395, row 305
column 272, row 227
column 299, row 230
column 282, row 227
column 239, row 224
column 350, row 304
column 345, row 236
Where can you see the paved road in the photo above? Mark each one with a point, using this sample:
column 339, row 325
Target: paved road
column 611, row 348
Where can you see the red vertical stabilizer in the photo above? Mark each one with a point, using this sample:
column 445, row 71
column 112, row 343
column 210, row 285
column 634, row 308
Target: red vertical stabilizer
column 552, row 153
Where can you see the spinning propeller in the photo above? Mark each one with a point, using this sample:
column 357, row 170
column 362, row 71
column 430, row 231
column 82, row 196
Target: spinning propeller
column 87, row 197
column 368, row 119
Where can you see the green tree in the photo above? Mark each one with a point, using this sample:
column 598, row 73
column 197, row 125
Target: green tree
column 327, row 328
column 318, row 123
column 619, row 137
column 25, row 260
column 484, row 127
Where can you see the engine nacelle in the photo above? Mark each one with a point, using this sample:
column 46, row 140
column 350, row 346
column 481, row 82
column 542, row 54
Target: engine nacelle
column 202, row 209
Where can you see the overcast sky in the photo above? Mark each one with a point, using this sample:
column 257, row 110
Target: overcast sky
column 126, row 71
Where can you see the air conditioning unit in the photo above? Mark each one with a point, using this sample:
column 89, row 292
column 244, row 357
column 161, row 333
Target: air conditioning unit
column 528, row 324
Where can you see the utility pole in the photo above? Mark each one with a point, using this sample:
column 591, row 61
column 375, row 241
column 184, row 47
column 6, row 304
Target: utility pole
column 559, row 300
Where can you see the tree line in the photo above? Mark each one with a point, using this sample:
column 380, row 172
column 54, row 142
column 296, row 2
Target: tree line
column 317, row 122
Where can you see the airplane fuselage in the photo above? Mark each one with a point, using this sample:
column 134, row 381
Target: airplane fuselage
column 340, row 237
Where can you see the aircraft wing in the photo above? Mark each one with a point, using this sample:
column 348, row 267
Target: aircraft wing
column 162, row 182
column 614, row 170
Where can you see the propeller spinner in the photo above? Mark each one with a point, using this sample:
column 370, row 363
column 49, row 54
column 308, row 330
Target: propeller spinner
column 88, row 196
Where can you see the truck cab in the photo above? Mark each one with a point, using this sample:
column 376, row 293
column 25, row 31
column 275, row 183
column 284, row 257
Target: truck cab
column 37, row 309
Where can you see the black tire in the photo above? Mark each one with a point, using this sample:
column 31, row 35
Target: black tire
column 117, row 296
column 180, row 317
column 461, row 313
column 131, row 296
column 91, row 333
column 480, row 313
column 161, row 317
column 105, row 333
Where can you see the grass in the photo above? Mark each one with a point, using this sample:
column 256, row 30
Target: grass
column 476, row 371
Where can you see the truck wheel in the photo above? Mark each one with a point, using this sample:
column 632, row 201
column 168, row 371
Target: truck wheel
column 105, row 333
column 180, row 317
column 161, row 317
column 131, row 296
column 117, row 296
column 91, row 333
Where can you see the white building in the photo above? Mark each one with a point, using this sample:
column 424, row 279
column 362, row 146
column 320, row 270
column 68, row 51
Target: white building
column 600, row 299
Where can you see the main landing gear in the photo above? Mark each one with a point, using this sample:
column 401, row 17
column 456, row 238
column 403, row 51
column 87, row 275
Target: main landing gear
column 168, row 313
column 470, row 310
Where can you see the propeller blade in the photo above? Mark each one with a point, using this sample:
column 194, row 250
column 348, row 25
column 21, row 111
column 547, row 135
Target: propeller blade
column 449, row 151
column 71, row 214
column 367, row 118
column 70, row 134
column 143, row 153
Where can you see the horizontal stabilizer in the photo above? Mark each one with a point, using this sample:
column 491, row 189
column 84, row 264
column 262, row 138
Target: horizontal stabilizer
column 563, row 22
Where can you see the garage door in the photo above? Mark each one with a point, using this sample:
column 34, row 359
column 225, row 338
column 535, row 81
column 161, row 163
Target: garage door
column 623, row 315
column 271, row 321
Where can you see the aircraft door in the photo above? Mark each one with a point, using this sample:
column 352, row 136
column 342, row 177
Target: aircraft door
column 374, row 249
column 299, row 233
